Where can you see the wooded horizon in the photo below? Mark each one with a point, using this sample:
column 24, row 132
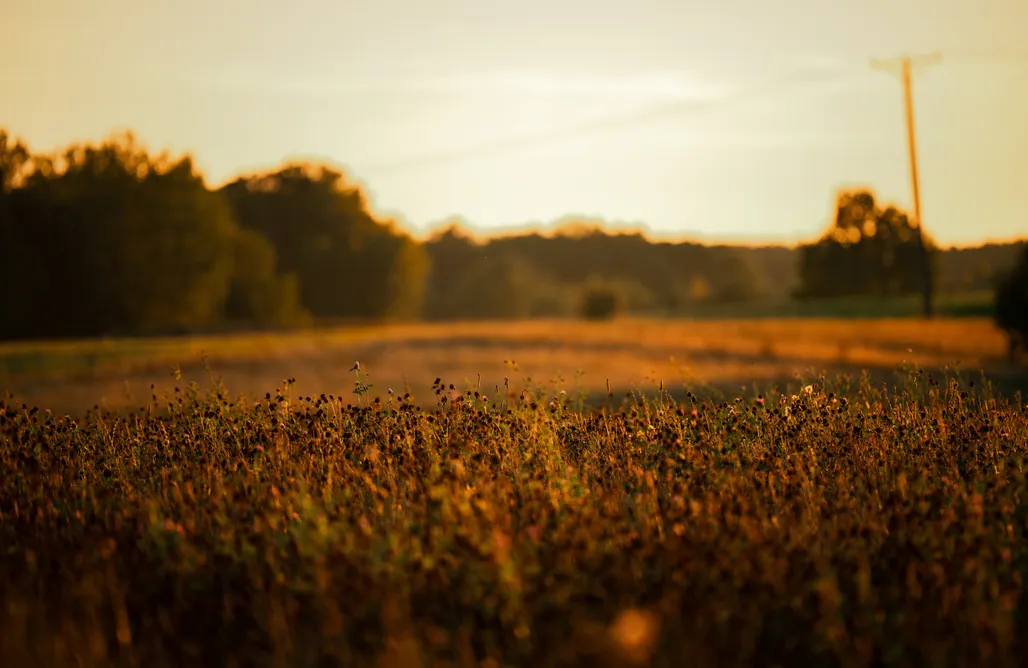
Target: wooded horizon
column 107, row 238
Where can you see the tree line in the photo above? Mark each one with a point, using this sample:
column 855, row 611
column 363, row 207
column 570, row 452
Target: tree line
column 109, row 239
column 105, row 238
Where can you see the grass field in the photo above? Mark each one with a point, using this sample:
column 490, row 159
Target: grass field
column 871, row 512
column 69, row 377
column 845, row 525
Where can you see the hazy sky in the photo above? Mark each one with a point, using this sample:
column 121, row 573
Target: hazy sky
column 735, row 119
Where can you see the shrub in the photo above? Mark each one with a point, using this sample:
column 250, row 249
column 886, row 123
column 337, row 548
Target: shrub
column 1011, row 306
column 600, row 304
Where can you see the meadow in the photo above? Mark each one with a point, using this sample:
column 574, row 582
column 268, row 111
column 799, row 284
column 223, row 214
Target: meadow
column 590, row 358
column 542, row 520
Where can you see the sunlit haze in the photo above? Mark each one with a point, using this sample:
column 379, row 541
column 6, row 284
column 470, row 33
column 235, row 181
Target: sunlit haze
column 734, row 120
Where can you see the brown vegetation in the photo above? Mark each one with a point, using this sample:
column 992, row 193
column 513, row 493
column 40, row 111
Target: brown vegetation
column 625, row 353
column 841, row 526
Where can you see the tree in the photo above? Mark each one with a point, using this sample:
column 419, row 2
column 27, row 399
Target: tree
column 347, row 263
column 495, row 288
column 600, row 303
column 450, row 251
column 153, row 248
column 21, row 268
column 738, row 280
column 126, row 242
column 15, row 162
column 1011, row 306
column 258, row 295
column 868, row 251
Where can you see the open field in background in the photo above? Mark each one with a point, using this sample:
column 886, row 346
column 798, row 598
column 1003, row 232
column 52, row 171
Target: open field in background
column 69, row 377
column 948, row 305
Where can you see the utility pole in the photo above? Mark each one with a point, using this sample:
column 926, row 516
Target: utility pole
column 906, row 65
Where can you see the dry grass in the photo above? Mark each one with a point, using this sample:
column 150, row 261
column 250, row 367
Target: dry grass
column 843, row 526
column 71, row 376
column 839, row 525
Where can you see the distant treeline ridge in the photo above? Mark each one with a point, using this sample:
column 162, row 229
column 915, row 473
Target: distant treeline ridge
column 107, row 239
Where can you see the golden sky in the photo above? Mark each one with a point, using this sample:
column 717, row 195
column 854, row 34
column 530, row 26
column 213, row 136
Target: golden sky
column 732, row 120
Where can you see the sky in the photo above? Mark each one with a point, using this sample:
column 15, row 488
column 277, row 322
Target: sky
column 730, row 121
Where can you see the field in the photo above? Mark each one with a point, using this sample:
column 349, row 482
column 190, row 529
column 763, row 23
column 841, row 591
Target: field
column 70, row 377
column 947, row 305
column 704, row 519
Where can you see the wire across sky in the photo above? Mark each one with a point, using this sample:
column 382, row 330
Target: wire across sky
column 808, row 77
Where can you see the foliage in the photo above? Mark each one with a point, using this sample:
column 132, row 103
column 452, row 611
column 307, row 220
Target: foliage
column 451, row 253
column 977, row 269
column 739, row 282
column 551, row 273
column 1011, row 306
column 258, row 294
column 845, row 525
column 600, row 303
column 348, row 264
column 869, row 250
column 470, row 283
column 107, row 239
column 120, row 242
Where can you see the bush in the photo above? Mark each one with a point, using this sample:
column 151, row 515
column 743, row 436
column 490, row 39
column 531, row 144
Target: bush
column 600, row 304
column 1011, row 307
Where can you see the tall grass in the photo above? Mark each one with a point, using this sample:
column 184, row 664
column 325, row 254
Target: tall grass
column 845, row 525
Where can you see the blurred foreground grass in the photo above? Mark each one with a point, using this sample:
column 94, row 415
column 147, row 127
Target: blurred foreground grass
column 846, row 525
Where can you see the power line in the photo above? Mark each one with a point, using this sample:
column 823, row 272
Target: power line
column 685, row 107
column 906, row 65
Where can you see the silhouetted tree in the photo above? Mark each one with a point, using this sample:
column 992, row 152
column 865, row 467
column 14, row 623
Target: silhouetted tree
column 258, row 295
column 648, row 276
column 451, row 252
column 868, row 251
column 600, row 303
column 739, row 282
column 496, row 288
column 22, row 272
column 15, row 162
column 977, row 268
column 128, row 242
column 1011, row 306
column 348, row 263
column 108, row 239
